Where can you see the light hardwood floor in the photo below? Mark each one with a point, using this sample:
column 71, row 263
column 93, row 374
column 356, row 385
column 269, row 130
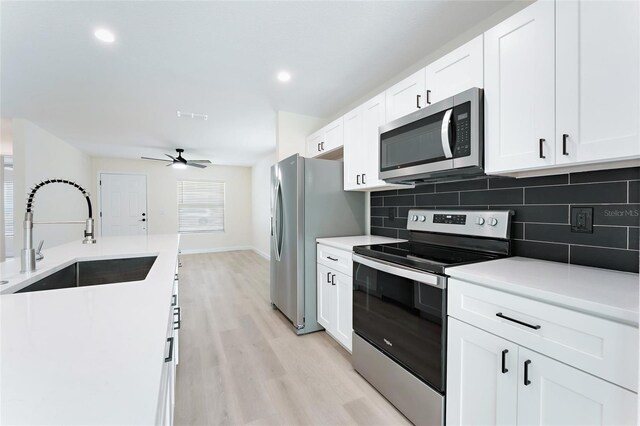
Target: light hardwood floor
column 240, row 363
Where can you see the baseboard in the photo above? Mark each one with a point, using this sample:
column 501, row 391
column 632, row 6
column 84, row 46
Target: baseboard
column 214, row 249
column 261, row 253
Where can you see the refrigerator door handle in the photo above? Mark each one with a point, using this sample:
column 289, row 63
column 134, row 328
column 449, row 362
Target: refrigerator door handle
column 276, row 227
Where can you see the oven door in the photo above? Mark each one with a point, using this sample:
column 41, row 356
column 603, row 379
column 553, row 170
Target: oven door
column 402, row 312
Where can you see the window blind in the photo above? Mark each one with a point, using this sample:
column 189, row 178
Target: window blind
column 200, row 206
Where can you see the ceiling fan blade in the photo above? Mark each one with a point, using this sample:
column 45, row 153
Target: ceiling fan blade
column 200, row 161
column 173, row 158
column 156, row 159
column 200, row 166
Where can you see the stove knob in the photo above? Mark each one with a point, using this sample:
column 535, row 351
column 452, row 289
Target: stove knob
column 480, row 220
column 422, row 218
column 414, row 218
column 493, row 221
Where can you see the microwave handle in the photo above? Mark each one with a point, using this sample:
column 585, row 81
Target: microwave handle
column 444, row 132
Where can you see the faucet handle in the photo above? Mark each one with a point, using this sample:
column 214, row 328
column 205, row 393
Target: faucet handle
column 39, row 255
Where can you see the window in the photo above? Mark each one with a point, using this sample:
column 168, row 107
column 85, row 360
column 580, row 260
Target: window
column 200, row 206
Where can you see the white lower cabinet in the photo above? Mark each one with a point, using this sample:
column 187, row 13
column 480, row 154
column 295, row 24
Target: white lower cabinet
column 495, row 381
column 335, row 294
column 481, row 387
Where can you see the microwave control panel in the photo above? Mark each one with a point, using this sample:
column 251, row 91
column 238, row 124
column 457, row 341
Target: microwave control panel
column 462, row 122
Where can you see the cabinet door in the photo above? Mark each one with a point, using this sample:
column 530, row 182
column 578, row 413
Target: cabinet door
column 333, row 135
column 344, row 311
column 353, row 149
column 480, row 389
column 326, row 299
column 598, row 75
column 405, row 97
column 455, row 72
column 314, row 143
column 556, row 394
column 519, row 93
column 373, row 116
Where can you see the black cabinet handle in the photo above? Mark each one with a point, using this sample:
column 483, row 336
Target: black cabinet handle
column 144, row 214
column 358, row 179
column 322, row 145
column 527, row 382
column 319, row 147
column 176, row 324
column 564, row 144
column 428, row 97
column 333, row 279
column 535, row 327
column 170, row 357
column 504, row 361
column 542, row 148
column 328, row 277
column 144, row 220
column 418, row 102
column 174, row 300
column 363, row 182
column 332, row 258
column 175, row 277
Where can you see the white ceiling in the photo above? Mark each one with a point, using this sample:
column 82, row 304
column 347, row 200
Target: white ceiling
column 217, row 58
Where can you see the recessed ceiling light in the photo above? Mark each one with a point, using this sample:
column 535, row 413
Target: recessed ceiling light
column 104, row 35
column 284, row 76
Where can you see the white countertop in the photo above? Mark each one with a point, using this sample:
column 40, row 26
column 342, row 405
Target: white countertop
column 348, row 243
column 87, row 355
column 600, row 292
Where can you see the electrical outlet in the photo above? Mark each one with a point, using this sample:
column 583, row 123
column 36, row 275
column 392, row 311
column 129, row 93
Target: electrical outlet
column 582, row 219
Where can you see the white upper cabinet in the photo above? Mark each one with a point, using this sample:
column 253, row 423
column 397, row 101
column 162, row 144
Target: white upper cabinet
column 519, row 82
column 597, row 80
column 314, row 143
column 354, row 153
column 405, row 97
column 373, row 116
column 333, row 135
column 455, row 72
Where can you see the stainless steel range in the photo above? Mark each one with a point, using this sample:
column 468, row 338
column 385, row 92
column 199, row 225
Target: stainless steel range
column 400, row 304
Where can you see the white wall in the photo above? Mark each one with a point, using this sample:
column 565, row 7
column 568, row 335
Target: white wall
column 162, row 210
column 261, row 204
column 40, row 155
column 291, row 132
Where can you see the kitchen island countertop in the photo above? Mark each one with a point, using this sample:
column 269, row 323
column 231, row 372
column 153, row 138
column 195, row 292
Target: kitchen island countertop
column 86, row 355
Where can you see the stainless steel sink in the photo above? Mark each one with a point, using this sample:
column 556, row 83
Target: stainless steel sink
column 95, row 272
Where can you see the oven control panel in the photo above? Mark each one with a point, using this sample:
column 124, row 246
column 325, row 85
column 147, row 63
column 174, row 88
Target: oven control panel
column 481, row 223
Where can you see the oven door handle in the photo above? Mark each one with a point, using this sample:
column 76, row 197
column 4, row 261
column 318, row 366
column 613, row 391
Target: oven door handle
column 401, row 271
column 444, row 134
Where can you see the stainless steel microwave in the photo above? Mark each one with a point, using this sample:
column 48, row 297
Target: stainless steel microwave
column 443, row 141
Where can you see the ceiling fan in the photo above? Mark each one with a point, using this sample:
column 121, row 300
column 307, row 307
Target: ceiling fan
column 180, row 162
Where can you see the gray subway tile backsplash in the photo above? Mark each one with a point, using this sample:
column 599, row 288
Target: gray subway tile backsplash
column 542, row 205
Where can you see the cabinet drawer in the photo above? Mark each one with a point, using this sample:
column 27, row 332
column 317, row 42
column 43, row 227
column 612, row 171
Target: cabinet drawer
column 336, row 259
column 598, row 346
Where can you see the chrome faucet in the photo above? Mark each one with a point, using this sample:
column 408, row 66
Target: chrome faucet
column 28, row 253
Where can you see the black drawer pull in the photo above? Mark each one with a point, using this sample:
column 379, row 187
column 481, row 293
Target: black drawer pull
column 333, row 279
column 176, row 324
column 329, row 277
column 418, row 101
column 564, row 144
column 527, row 382
column 363, row 182
column 174, row 300
column 542, row 148
column 428, row 97
column 535, row 327
column 170, row 357
column 332, row 258
column 504, row 361
column 358, row 179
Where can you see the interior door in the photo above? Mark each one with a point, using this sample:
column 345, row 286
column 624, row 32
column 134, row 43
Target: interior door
column 123, row 204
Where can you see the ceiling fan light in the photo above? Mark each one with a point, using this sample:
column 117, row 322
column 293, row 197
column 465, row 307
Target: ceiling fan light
column 179, row 165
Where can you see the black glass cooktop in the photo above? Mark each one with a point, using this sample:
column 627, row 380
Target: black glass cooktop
column 426, row 257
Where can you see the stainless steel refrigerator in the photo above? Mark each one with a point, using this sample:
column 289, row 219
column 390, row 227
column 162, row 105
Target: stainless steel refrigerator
column 308, row 201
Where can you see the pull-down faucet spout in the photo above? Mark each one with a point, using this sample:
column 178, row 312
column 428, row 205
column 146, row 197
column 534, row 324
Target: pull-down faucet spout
column 28, row 253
